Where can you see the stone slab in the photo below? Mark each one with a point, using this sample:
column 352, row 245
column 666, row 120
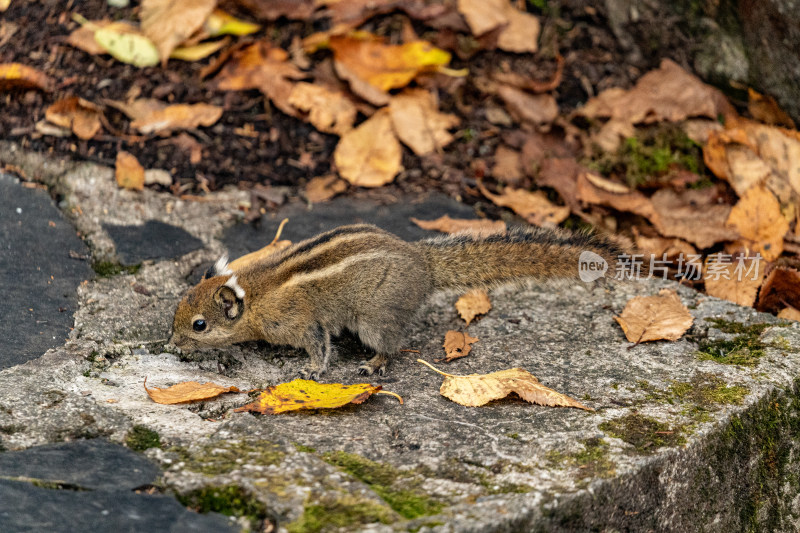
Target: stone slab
column 151, row 240
column 40, row 269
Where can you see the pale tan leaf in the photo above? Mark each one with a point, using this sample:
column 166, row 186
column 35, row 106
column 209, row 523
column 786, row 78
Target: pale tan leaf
column 737, row 281
column 153, row 116
column 328, row 110
column 457, row 344
column 370, row 155
column 651, row 318
column 607, row 184
column 507, row 165
column 694, row 215
column 532, row 206
column 129, row 173
column 418, row 122
column 633, row 201
column 661, row 246
column 168, row 23
column 479, row 389
column 187, row 391
column 757, row 217
column 472, row 304
column 476, row 227
column 520, row 32
column 526, row 107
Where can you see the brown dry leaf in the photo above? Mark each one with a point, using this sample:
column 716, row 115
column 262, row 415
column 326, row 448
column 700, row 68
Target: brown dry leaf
column 561, row 174
column 652, row 318
column 737, row 281
column 153, row 116
column 129, row 173
column 370, row 155
column 306, row 394
column 532, row 206
column 260, row 66
column 372, row 67
column 328, row 110
column 275, row 9
column 633, row 201
column 323, row 188
column 479, row 389
column 606, row 184
column 693, row 215
column 253, row 257
column 520, row 32
column 77, row 114
column 661, row 246
column 456, row 345
column 780, row 289
column 527, row 107
column 667, row 93
column 418, row 122
column 789, row 313
column 764, row 108
column 476, row 227
column 757, row 217
column 507, row 165
column 187, row 391
column 19, row 76
column 472, row 304
column 168, row 23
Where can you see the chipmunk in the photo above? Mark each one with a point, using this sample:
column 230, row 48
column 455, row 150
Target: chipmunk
column 368, row 281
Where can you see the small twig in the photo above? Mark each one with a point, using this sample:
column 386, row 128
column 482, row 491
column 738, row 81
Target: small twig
column 399, row 398
column 411, row 351
column 435, row 369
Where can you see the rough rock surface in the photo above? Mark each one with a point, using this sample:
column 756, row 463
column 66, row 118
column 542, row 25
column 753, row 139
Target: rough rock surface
column 679, row 441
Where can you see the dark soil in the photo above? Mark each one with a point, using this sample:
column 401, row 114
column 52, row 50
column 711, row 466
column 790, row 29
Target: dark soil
column 278, row 149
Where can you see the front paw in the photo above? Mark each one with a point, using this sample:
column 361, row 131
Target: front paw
column 311, row 373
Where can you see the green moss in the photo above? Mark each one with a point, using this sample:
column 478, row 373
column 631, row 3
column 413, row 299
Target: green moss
column 380, row 478
column 745, row 349
column 592, row 461
column 644, row 433
column 302, row 448
column 431, row 525
column 705, row 389
column 106, row 269
column 344, row 512
column 650, row 155
column 230, row 500
column 141, row 438
column 514, row 436
column 223, row 457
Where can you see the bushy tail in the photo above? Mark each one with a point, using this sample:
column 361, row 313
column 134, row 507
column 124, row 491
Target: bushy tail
column 463, row 262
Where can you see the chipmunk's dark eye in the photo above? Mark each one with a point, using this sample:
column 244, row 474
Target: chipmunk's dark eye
column 199, row 325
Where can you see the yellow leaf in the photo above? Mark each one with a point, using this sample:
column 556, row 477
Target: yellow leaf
column 370, row 155
column 651, row 318
column 418, row 122
column 478, row 227
column 4, row 4
column 188, row 391
column 307, row 394
column 127, row 46
column 129, row 173
column 77, row 114
column 472, row 304
column 372, row 67
column 198, row 51
column 19, row 76
column 479, row 389
column 221, row 23
column 168, row 23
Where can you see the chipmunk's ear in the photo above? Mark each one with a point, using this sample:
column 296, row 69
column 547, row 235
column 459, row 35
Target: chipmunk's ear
column 230, row 297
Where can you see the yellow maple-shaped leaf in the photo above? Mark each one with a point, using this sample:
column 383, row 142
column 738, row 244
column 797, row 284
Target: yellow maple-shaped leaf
column 372, row 67
column 307, row 394
column 187, row 391
column 254, row 257
column 472, row 304
column 457, row 344
column 480, row 227
column 652, row 318
column 479, row 389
